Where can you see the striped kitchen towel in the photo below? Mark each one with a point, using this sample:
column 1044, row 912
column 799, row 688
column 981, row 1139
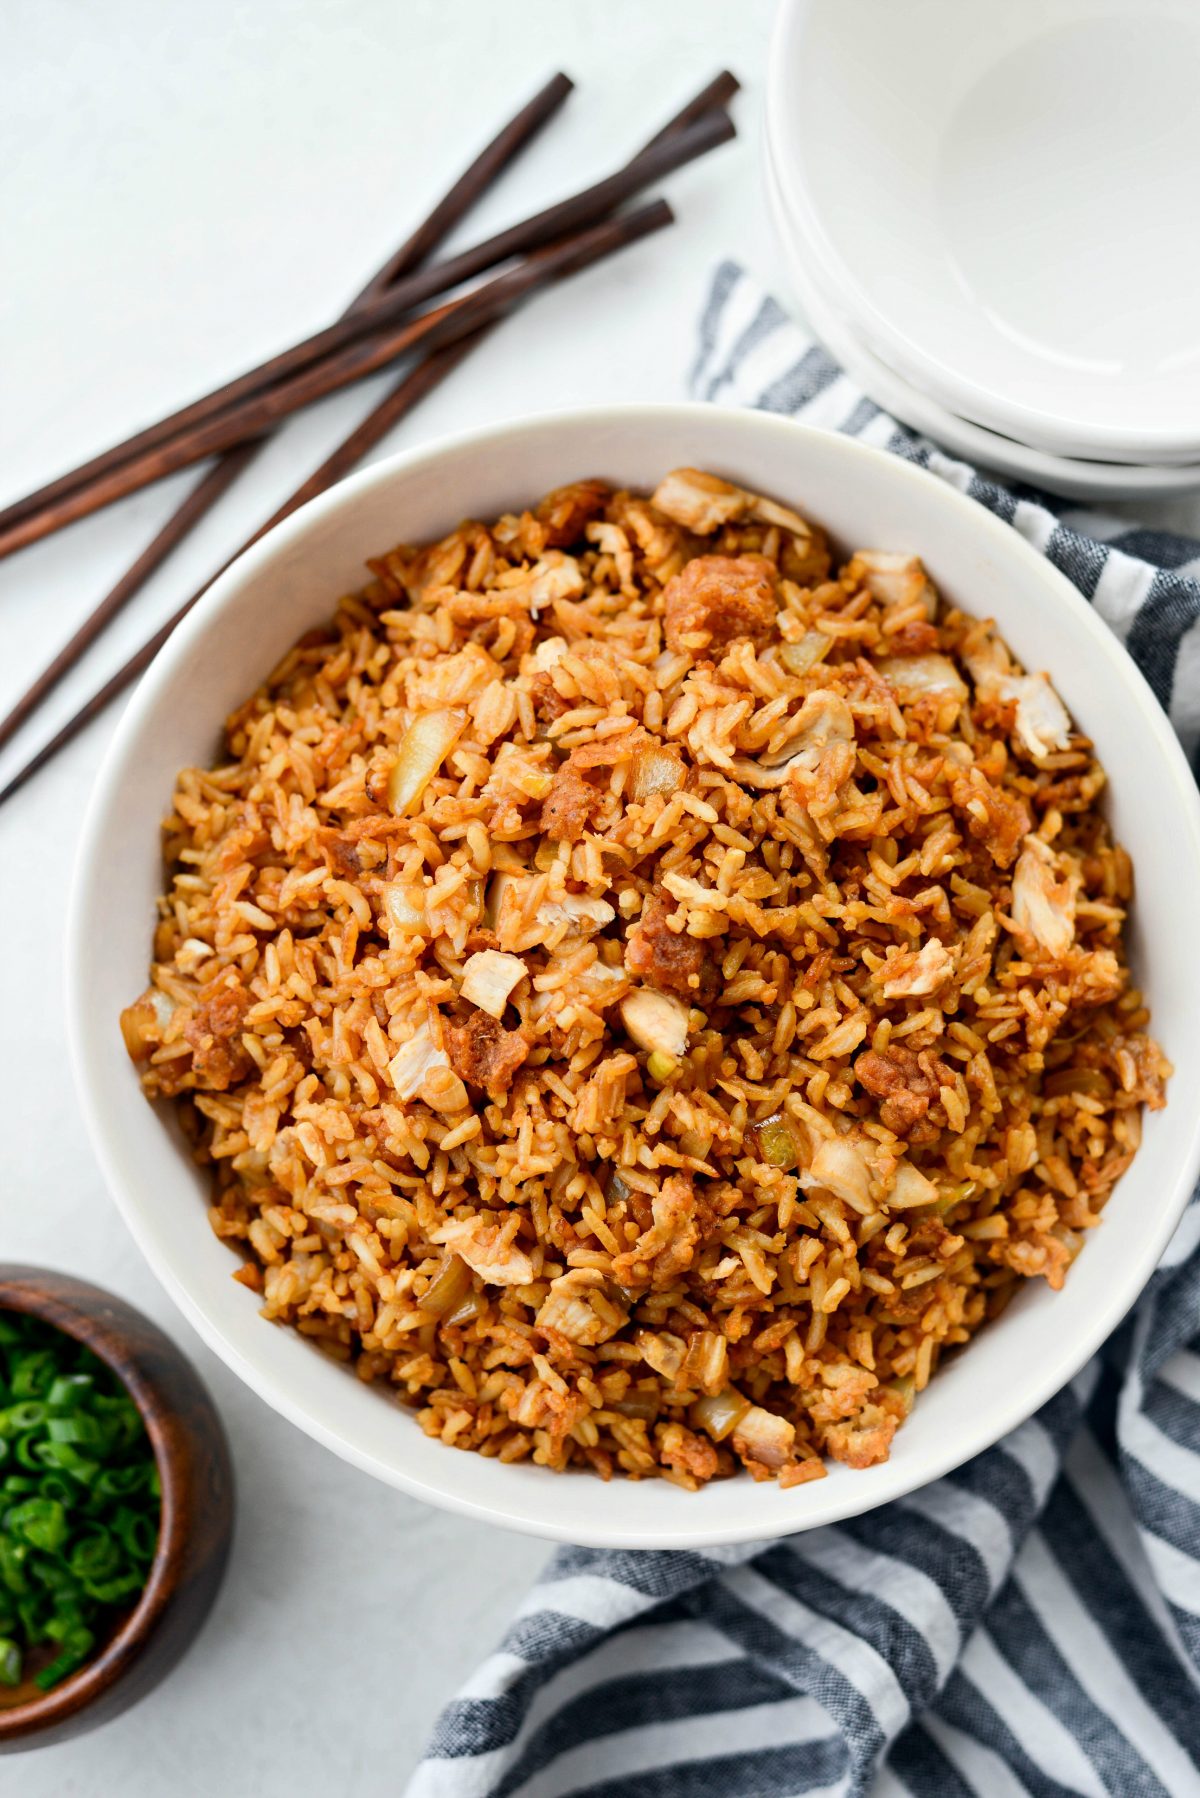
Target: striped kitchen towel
column 1029, row 1624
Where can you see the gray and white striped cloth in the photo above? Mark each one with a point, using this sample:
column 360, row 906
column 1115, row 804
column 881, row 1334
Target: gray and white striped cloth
column 1027, row 1625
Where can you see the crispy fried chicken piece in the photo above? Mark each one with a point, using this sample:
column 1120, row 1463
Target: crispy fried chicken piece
column 214, row 1033
column 484, row 1054
column 664, row 958
column 998, row 820
column 568, row 806
column 906, row 1080
column 562, row 515
column 715, row 600
column 691, row 1454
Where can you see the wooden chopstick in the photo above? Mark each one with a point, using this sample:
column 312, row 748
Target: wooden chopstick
column 470, row 188
column 589, row 246
column 263, row 411
column 107, row 477
column 449, row 211
column 394, row 406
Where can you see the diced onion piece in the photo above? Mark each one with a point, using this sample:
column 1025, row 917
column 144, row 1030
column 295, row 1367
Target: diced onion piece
column 843, row 1166
column 489, row 977
column 405, row 908
column 719, row 1413
column 655, row 771
column 1089, row 1083
column 812, row 648
column 910, row 1187
column 425, row 746
column 448, row 1287
column 637, row 1404
column 493, row 898
column 706, row 1365
column 776, row 1143
column 470, row 1308
column 410, row 1064
column 663, row 1351
column 905, row 1388
column 656, row 1021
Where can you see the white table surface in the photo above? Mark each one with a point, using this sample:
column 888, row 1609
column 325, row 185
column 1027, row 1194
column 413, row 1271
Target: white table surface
column 182, row 191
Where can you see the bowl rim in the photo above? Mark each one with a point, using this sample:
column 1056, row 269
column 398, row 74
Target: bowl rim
column 964, row 394
column 58, row 1299
column 281, row 1393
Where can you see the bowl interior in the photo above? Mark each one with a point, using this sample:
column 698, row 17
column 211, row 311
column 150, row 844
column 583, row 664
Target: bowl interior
column 287, row 584
column 964, row 184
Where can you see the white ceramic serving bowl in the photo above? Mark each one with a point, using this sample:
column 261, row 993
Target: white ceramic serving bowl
column 289, row 582
column 1071, row 477
column 1002, row 205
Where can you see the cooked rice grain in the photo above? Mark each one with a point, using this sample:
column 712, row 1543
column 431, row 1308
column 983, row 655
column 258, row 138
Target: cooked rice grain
column 646, row 997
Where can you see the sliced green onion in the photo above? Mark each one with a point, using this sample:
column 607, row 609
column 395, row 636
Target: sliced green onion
column 80, row 1501
column 75, row 1651
column 41, row 1522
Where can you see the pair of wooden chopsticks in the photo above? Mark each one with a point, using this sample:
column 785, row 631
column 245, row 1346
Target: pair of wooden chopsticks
column 234, row 420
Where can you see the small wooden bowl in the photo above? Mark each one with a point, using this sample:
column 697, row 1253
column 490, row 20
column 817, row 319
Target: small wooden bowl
column 197, row 1507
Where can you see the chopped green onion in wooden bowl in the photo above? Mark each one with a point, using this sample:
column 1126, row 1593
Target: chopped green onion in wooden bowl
column 80, row 1502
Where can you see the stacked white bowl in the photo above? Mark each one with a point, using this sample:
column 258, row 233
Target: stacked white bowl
column 987, row 214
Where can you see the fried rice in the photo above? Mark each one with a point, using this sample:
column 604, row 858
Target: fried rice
column 645, row 997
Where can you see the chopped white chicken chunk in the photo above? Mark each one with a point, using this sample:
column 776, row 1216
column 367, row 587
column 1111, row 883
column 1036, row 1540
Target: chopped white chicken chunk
column 611, row 540
column 1043, row 902
column 489, row 977
column 698, row 501
column 915, row 973
column 703, row 502
column 927, row 677
column 488, row 1250
column 549, row 651
column 1041, row 722
column 555, row 577
column 569, row 1308
column 411, row 1064
column 816, row 755
column 656, row 1021
column 893, row 579
column 761, row 1436
column 843, row 1166
column 522, row 923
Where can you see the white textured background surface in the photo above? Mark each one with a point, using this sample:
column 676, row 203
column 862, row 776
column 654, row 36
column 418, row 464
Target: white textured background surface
column 182, row 191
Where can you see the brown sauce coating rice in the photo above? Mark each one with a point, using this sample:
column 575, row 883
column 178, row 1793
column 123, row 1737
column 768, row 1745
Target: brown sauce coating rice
column 643, row 995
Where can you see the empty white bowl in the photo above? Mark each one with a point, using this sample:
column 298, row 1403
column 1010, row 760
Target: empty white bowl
column 289, row 582
column 1003, row 204
column 1070, row 476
